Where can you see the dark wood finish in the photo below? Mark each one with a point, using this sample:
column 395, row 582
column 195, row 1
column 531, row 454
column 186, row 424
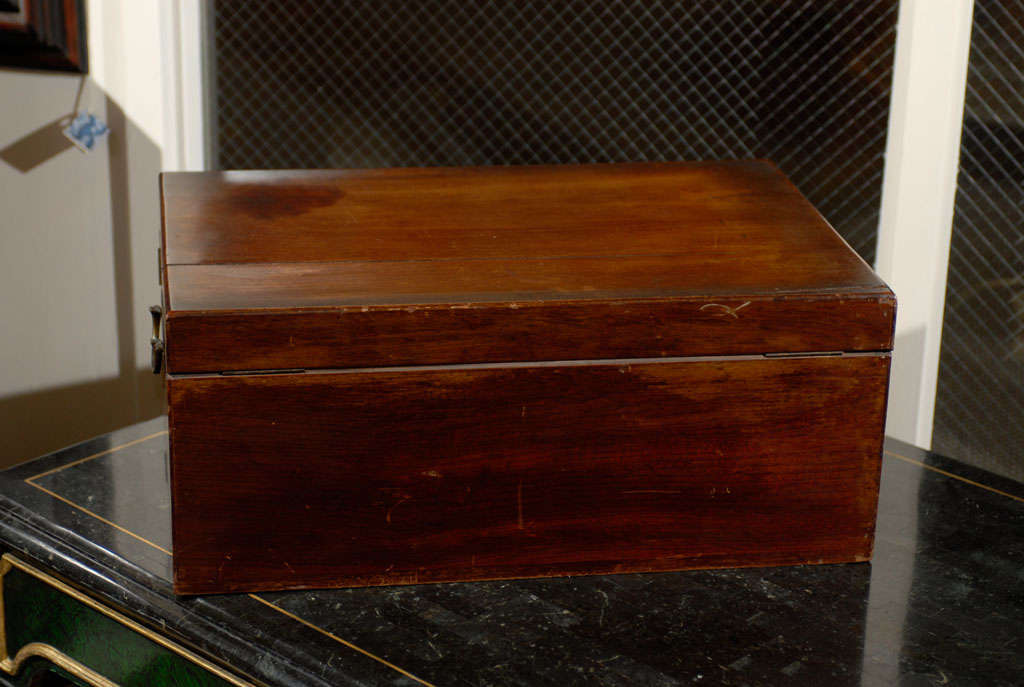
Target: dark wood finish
column 437, row 335
column 46, row 34
column 413, row 375
column 699, row 211
column 341, row 268
column 392, row 477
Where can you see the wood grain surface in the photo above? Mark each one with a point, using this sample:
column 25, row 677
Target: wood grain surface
column 509, row 372
column 361, row 267
column 436, row 335
column 474, row 213
column 393, row 477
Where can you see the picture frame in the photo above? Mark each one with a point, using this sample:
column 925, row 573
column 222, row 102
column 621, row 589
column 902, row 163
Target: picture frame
column 43, row 34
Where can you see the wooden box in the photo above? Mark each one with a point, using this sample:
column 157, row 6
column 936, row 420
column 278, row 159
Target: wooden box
column 416, row 375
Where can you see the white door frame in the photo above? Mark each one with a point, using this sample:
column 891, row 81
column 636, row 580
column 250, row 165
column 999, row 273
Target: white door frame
column 918, row 193
column 185, row 85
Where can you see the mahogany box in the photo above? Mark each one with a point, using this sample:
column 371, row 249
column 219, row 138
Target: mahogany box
column 398, row 376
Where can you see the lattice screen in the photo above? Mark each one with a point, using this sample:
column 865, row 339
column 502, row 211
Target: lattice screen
column 979, row 410
column 303, row 83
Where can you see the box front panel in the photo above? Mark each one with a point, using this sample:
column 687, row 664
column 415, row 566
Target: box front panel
column 504, row 332
column 427, row 474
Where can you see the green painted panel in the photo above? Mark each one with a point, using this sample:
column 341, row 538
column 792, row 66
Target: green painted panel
column 38, row 672
column 36, row 612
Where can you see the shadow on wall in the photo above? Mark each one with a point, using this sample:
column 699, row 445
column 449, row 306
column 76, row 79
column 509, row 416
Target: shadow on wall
column 38, row 422
column 44, row 143
column 39, row 146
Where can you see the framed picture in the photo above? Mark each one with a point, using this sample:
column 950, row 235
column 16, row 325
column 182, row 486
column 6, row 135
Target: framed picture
column 43, row 34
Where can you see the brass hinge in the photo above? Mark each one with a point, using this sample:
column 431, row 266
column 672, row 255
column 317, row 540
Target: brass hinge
column 806, row 354
column 156, row 344
column 282, row 371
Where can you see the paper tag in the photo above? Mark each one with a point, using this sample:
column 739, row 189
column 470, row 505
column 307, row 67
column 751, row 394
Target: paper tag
column 84, row 130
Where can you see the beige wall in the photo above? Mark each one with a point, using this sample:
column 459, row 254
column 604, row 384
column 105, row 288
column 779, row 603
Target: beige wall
column 78, row 238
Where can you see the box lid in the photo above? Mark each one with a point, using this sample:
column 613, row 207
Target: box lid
column 427, row 266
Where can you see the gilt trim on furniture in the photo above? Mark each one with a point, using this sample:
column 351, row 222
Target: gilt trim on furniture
column 101, row 646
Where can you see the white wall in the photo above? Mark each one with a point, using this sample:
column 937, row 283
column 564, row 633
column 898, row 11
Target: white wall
column 78, row 239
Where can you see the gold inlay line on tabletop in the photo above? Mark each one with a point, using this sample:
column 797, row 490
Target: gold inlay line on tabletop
column 340, row 640
column 31, row 481
column 101, row 518
column 957, row 477
column 95, row 455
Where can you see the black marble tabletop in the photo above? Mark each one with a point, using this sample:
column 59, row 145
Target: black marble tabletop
column 942, row 602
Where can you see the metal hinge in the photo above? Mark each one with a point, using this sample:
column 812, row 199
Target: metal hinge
column 808, row 354
column 156, row 344
column 289, row 370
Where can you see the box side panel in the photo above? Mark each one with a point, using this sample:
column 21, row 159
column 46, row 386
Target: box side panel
column 507, row 332
column 396, row 477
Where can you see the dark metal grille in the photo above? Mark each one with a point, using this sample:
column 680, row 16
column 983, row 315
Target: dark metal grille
column 447, row 82
column 979, row 408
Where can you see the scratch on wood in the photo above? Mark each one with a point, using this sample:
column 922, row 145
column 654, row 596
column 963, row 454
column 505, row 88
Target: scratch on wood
column 726, row 310
column 387, row 517
column 519, row 498
column 220, row 568
column 653, row 491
